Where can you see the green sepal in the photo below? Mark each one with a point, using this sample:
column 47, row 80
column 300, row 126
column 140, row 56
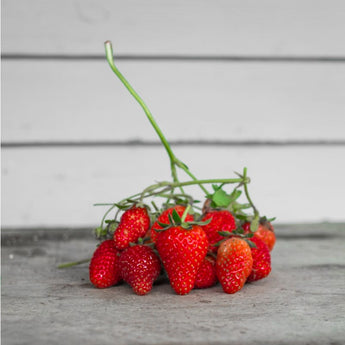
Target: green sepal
column 163, row 225
column 271, row 219
column 251, row 244
column 161, row 230
column 217, row 244
column 176, row 217
column 171, row 220
column 225, row 233
column 100, row 232
column 238, row 231
column 254, row 225
column 205, row 222
column 243, row 217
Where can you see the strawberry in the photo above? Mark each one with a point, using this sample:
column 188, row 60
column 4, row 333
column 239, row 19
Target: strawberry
column 164, row 218
column 103, row 269
column 134, row 224
column 139, row 267
column 206, row 276
column 234, row 264
column 182, row 252
column 261, row 260
column 265, row 232
column 220, row 221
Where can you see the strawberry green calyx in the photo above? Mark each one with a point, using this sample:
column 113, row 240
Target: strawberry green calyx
column 176, row 220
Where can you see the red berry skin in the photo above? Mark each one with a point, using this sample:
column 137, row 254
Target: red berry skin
column 206, row 276
column 134, row 224
column 139, row 267
column 265, row 232
column 234, row 264
column 182, row 252
column 221, row 221
column 164, row 218
column 103, row 269
column 261, row 260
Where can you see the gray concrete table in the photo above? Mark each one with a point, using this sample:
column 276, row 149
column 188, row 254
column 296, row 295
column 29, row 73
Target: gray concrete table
column 301, row 302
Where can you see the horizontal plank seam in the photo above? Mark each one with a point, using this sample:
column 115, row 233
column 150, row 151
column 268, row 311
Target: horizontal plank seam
column 148, row 143
column 20, row 235
column 182, row 58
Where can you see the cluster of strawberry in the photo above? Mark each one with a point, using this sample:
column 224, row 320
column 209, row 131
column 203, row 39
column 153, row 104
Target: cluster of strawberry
column 192, row 253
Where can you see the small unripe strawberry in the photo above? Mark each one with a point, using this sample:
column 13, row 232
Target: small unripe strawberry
column 134, row 224
column 234, row 264
column 206, row 276
column 139, row 267
column 220, row 221
column 261, row 260
column 265, row 232
column 103, row 269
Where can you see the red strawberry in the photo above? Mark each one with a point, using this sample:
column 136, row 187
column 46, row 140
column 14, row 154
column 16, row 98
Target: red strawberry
column 134, row 224
column 234, row 264
column 139, row 267
column 265, row 232
column 261, row 260
column 104, row 270
column 221, row 221
column 206, row 276
column 164, row 218
column 182, row 251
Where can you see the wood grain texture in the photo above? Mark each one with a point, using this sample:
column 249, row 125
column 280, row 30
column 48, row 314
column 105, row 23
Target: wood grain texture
column 304, row 292
column 57, row 187
column 83, row 101
column 175, row 27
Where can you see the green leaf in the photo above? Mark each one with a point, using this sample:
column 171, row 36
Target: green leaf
column 220, row 198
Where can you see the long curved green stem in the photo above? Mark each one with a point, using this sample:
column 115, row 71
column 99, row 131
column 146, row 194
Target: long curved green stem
column 245, row 185
column 110, row 59
column 173, row 160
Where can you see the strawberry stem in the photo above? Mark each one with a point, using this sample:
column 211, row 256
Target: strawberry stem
column 173, row 160
column 75, row 263
column 256, row 212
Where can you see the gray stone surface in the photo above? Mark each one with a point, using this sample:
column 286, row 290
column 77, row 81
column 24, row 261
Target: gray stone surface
column 301, row 302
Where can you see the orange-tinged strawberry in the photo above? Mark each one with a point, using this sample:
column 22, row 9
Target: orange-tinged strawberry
column 164, row 218
column 234, row 264
column 182, row 251
column 103, row 269
column 134, row 224
column 206, row 276
column 265, row 232
column 139, row 267
column 261, row 260
column 220, row 221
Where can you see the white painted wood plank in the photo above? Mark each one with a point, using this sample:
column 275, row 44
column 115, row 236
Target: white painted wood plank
column 73, row 101
column 267, row 27
column 57, row 187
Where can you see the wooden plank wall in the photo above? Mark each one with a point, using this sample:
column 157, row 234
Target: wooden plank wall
column 232, row 83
